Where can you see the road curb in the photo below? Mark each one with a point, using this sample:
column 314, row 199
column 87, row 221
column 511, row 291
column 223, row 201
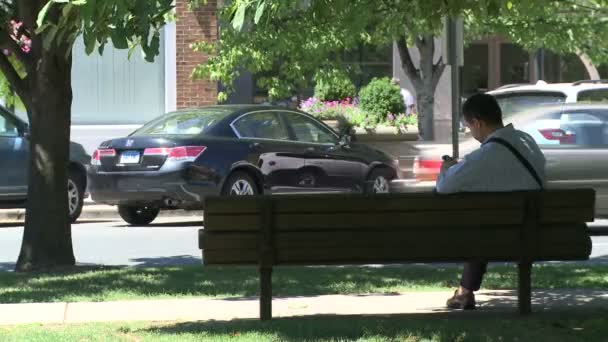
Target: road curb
column 94, row 212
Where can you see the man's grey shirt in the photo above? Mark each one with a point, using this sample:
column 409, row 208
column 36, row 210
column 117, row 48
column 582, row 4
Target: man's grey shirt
column 493, row 167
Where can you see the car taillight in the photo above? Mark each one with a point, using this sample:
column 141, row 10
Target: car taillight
column 426, row 169
column 558, row 134
column 180, row 153
column 100, row 153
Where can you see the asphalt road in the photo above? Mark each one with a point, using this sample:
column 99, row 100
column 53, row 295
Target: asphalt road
column 168, row 241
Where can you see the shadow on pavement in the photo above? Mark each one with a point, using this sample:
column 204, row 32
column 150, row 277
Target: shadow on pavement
column 180, row 260
column 92, row 221
column 193, row 223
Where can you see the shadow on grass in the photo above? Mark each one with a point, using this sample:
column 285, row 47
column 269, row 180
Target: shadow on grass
column 94, row 283
column 591, row 325
column 7, row 266
column 547, row 300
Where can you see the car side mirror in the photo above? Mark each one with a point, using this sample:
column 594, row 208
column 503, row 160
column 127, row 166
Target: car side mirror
column 25, row 131
column 345, row 140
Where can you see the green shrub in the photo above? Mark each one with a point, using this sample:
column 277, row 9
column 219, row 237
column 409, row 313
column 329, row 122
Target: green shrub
column 334, row 85
column 380, row 98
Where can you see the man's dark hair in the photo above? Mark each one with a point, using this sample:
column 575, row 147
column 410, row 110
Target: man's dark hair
column 482, row 107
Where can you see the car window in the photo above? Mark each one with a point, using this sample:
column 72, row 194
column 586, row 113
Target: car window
column 183, row 123
column 7, row 127
column 586, row 128
column 520, row 102
column 308, row 130
column 593, row 95
column 262, row 125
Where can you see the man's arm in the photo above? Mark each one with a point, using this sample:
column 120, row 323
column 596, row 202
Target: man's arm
column 463, row 176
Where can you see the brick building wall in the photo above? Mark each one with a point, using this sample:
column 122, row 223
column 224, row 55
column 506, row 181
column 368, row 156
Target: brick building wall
column 192, row 26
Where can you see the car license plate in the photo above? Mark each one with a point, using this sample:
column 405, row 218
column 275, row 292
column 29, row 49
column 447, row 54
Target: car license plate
column 129, row 157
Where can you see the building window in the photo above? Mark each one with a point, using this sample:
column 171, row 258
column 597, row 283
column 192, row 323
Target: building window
column 563, row 68
column 364, row 63
column 515, row 63
column 475, row 69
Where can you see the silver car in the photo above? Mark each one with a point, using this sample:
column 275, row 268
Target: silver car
column 574, row 141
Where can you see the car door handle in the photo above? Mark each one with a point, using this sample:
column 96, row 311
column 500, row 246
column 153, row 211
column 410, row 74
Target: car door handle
column 310, row 150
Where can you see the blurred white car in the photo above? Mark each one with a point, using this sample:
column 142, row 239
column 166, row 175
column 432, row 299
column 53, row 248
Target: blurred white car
column 574, row 141
column 519, row 98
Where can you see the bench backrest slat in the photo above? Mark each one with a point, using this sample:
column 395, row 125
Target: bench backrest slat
column 328, row 229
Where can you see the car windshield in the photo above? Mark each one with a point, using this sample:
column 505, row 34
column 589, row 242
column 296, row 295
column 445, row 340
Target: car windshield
column 516, row 103
column 184, row 123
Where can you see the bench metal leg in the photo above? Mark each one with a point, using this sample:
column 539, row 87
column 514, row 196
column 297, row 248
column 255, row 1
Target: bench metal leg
column 524, row 291
column 265, row 293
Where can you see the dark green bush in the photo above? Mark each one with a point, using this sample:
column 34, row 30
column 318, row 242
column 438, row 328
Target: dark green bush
column 334, row 85
column 381, row 97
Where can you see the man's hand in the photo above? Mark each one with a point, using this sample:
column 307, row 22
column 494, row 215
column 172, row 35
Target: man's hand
column 447, row 163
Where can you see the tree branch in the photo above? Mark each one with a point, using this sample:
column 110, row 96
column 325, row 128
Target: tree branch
column 438, row 70
column 9, row 44
column 13, row 77
column 426, row 46
column 406, row 62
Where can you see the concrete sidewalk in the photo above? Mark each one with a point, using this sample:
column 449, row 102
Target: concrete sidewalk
column 229, row 309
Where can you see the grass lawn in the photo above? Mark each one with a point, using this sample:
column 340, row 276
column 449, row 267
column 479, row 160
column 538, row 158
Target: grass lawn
column 570, row 326
column 125, row 283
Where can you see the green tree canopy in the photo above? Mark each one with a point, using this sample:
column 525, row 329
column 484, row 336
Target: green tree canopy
column 288, row 40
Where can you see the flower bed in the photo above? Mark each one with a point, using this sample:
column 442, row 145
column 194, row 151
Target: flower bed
column 346, row 116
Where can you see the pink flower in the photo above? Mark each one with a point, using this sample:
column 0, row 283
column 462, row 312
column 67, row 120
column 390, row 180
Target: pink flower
column 19, row 35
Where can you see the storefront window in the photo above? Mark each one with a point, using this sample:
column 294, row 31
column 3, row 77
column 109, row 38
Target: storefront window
column 475, row 69
column 515, row 64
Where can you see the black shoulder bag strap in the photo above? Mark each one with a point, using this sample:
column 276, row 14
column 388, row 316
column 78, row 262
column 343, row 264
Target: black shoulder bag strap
column 521, row 158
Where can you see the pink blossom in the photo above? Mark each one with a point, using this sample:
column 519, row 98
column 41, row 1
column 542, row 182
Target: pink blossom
column 19, row 35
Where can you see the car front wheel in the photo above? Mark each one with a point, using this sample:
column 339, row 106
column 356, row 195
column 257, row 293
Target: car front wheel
column 378, row 181
column 240, row 184
column 138, row 216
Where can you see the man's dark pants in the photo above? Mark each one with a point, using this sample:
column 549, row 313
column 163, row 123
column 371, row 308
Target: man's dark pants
column 472, row 275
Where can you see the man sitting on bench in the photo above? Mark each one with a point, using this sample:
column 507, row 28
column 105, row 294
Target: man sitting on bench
column 508, row 160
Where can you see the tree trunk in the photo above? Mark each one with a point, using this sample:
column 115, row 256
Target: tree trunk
column 426, row 110
column 424, row 79
column 47, row 239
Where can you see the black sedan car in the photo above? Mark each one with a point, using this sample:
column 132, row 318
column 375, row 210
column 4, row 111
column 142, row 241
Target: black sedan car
column 173, row 162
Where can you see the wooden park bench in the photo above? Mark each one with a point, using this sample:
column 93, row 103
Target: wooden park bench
column 521, row 227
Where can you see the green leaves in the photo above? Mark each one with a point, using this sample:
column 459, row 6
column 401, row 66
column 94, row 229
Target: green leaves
column 126, row 23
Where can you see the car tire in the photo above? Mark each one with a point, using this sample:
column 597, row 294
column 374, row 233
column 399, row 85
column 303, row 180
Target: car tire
column 138, row 216
column 240, row 184
column 378, row 181
column 76, row 187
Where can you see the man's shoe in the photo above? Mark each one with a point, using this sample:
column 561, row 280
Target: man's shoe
column 462, row 301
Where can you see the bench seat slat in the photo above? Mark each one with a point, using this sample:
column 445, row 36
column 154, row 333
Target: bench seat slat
column 396, row 238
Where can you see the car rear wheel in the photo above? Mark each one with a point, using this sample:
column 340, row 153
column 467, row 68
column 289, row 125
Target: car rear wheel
column 378, row 181
column 75, row 195
column 240, row 184
column 138, row 215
